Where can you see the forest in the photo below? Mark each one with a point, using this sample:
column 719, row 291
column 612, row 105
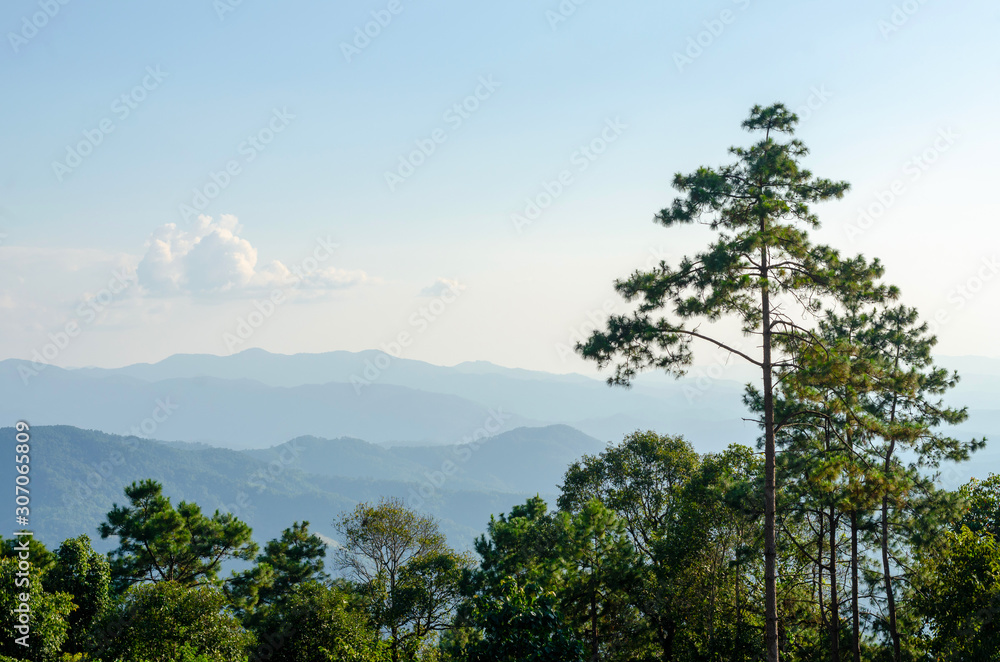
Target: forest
column 832, row 539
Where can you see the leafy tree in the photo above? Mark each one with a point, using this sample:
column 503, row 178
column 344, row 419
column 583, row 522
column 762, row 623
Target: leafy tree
column 522, row 624
column 909, row 414
column 642, row 481
column 760, row 268
column 169, row 621
column 958, row 591
column 42, row 558
column 403, row 564
column 49, row 613
column 157, row 542
column 315, row 622
column 599, row 571
column 982, row 506
column 519, row 545
column 86, row 576
column 584, row 558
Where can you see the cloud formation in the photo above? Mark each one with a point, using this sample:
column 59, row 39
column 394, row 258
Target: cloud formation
column 212, row 259
column 440, row 286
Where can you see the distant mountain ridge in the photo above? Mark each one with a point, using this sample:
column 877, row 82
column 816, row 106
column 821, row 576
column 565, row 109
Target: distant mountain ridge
column 708, row 411
column 256, row 399
column 77, row 475
column 240, row 413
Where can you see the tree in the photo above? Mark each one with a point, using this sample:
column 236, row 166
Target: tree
column 584, row 558
column 86, row 576
column 982, row 506
column 294, row 558
column 908, row 411
column 409, row 574
column 958, row 591
column 168, row 621
column 845, row 415
column 643, row 481
column 599, row 573
column 522, row 624
column 45, row 613
column 760, row 268
column 42, row 558
column 157, row 542
column 315, row 622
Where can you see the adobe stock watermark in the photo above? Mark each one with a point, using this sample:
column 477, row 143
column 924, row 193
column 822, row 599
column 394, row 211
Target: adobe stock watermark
column 223, row 7
column 249, row 149
column 365, row 34
column 98, row 473
column 454, row 117
column 264, row 309
column 242, row 507
column 419, row 322
column 37, row 21
column 703, row 40
column 702, row 379
column 462, row 452
column 121, row 107
column 275, row 468
column 596, row 319
column 562, row 12
column 580, row 160
column 913, row 169
column 961, row 295
column 899, row 17
column 818, row 96
column 87, row 313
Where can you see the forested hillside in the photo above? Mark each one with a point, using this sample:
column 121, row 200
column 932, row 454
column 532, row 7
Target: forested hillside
column 79, row 474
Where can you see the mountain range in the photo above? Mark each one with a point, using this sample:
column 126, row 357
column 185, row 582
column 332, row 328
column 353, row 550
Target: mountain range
column 278, row 438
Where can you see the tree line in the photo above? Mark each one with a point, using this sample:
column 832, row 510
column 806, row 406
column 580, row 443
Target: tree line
column 652, row 552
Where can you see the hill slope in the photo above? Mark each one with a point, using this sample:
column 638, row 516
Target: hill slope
column 77, row 475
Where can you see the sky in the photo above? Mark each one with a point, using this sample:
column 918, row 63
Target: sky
column 458, row 181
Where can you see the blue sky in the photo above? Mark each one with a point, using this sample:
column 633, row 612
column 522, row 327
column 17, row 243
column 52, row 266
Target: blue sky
column 881, row 92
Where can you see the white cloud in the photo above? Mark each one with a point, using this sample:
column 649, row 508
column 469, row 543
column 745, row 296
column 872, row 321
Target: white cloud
column 213, row 259
column 440, row 286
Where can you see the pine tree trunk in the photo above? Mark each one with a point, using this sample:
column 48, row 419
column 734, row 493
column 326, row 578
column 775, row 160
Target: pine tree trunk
column 893, row 630
column 855, row 612
column 824, row 621
column 594, row 648
column 770, row 546
column 834, row 600
column 897, row 654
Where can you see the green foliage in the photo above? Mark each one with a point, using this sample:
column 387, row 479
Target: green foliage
column 958, row 592
column 42, row 558
column 409, row 575
column 315, row 623
column 49, row 612
column 294, row 558
column 982, row 506
column 167, row 621
column 157, row 542
column 758, row 208
column 760, row 268
column 522, row 624
column 643, row 481
column 86, row 576
column 584, row 558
